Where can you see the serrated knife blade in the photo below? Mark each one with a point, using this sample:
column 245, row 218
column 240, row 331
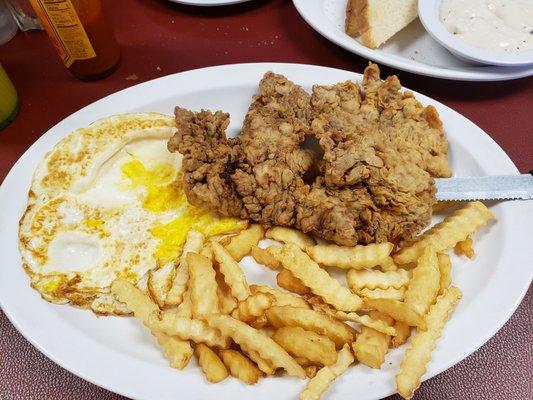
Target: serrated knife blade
column 505, row 187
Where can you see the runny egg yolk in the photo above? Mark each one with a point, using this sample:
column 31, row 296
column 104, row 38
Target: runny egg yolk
column 172, row 235
column 94, row 223
column 163, row 193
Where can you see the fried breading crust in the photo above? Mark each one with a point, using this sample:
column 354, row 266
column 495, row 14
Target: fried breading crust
column 381, row 147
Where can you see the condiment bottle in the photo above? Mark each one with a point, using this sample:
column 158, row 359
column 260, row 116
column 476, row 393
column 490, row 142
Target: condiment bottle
column 80, row 35
column 9, row 101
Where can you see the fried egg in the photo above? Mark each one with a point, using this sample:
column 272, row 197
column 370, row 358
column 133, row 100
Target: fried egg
column 106, row 203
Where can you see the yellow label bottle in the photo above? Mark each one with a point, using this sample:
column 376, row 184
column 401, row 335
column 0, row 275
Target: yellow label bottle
column 9, row 102
column 65, row 29
column 80, row 35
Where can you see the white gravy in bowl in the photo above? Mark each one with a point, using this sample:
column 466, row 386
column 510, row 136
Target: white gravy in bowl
column 505, row 25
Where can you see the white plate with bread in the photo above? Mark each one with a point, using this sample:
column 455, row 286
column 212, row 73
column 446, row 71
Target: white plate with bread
column 389, row 32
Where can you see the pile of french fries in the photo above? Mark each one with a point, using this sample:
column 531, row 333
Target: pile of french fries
column 317, row 327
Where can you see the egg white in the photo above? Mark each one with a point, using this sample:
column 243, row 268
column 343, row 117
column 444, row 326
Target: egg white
column 107, row 203
column 85, row 224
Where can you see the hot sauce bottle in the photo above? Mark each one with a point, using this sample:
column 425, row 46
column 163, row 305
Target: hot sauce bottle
column 80, row 35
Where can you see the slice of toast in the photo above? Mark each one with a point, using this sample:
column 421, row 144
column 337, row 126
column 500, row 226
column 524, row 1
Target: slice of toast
column 373, row 22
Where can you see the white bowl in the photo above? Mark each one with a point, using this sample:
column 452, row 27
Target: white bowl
column 429, row 14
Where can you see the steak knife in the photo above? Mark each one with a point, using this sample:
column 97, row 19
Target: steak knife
column 505, row 187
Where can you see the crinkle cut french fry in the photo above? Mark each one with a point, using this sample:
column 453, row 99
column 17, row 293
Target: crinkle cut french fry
column 233, row 273
column 464, row 247
column 370, row 346
column 194, row 243
column 311, row 320
column 259, row 322
column 368, row 321
column 440, row 206
column 202, row 286
column 289, row 235
column 403, row 331
column 264, row 257
column 389, row 293
column 318, row 305
column 141, row 305
column 311, row 371
column 254, row 306
column 281, row 298
column 445, row 235
column 388, row 265
column 241, row 244
column 159, row 283
column 325, row 376
column 188, row 329
column 184, row 310
column 355, row 257
column 445, row 269
column 379, row 316
column 413, row 366
column 207, row 252
column 425, row 282
column 267, row 330
column 255, row 340
column 304, row 362
column 224, row 239
column 317, row 279
column 397, row 310
column 212, row 366
column 177, row 351
column 263, row 364
column 364, row 320
column 373, row 279
column 226, row 302
column 318, row 349
column 240, row 366
column 286, row 280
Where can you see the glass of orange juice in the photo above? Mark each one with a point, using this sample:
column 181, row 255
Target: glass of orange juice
column 9, row 101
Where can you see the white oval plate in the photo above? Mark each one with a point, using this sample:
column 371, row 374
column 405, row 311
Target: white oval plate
column 208, row 3
column 412, row 49
column 120, row 355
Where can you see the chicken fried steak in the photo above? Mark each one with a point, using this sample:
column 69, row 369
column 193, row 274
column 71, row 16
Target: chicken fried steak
column 382, row 149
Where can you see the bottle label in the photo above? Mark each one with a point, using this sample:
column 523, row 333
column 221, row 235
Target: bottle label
column 65, row 29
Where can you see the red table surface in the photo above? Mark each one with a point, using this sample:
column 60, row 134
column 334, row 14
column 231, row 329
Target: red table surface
column 159, row 38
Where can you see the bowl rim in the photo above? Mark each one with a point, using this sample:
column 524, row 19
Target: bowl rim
column 429, row 15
